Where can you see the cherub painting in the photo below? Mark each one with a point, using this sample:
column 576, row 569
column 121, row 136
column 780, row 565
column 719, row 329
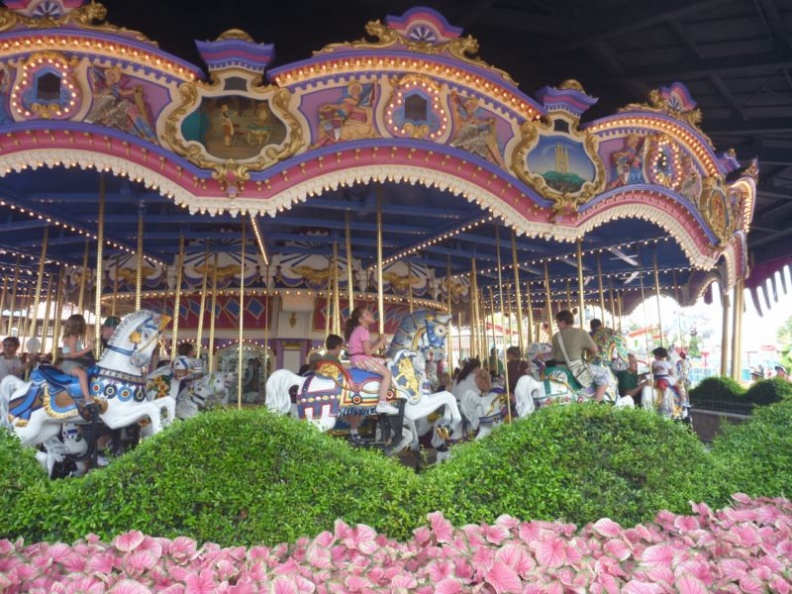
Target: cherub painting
column 352, row 118
column 118, row 105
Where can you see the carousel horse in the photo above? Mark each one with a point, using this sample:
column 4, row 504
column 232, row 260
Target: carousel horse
column 561, row 387
column 669, row 401
column 209, row 389
column 485, row 410
column 423, row 331
column 37, row 410
column 165, row 383
column 334, row 390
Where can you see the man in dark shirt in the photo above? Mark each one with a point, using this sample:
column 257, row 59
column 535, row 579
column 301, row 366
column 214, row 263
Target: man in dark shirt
column 630, row 383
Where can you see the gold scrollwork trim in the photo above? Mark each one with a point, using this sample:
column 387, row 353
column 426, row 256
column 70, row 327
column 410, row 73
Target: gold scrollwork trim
column 230, row 170
column 530, row 133
column 47, row 404
column 88, row 16
column 658, row 104
column 462, row 48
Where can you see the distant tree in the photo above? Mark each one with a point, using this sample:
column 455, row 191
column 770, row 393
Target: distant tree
column 694, row 347
column 784, row 337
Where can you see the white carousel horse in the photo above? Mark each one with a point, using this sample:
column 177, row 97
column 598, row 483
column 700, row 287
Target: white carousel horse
column 485, row 407
column 423, row 331
column 667, row 400
column 211, row 388
column 560, row 387
column 320, row 397
column 165, row 383
column 36, row 411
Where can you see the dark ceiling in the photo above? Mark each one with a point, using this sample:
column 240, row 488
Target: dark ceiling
column 735, row 57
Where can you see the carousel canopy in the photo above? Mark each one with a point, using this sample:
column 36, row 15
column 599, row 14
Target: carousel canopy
column 404, row 146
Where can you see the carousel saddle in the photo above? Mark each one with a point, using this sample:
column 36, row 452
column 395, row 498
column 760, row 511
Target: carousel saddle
column 57, row 379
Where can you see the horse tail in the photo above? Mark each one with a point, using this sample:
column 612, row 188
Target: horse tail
column 5, row 397
column 277, row 390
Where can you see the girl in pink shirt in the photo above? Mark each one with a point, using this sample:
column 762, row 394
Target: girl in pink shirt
column 362, row 353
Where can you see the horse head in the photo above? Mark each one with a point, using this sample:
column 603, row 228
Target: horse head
column 130, row 348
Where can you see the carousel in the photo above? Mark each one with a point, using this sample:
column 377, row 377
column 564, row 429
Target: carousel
column 257, row 204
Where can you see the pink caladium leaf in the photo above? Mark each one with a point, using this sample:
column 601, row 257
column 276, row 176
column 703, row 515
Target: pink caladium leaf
column 638, row 587
column 751, row 585
column 448, row 586
column 441, row 528
column 503, row 579
column 607, row 527
column 283, row 585
column 202, row 582
column 688, row 584
column 551, row 551
column 128, row 541
column 129, row 587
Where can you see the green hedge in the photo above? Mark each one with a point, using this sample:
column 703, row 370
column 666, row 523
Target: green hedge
column 235, row 478
column 769, row 391
column 248, row 477
column 724, row 394
column 579, row 463
column 758, row 453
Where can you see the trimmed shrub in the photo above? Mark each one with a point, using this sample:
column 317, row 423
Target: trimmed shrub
column 235, row 478
column 720, row 393
column 577, row 463
column 24, row 488
column 758, row 453
column 769, row 391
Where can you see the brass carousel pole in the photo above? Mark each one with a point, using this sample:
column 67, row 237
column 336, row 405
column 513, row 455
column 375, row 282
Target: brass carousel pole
column 139, row 271
column 409, row 285
column 646, row 316
column 529, row 305
column 679, row 317
column 329, row 300
column 482, row 317
column 336, row 293
column 517, row 295
column 99, row 267
column 202, row 307
column 350, row 278
column 737, row 330
column 448, row 305
column 612, row 305
column 657, row 294
column 47, row 309
column 494, row 335
column 267, row 361
column 473, row 293
column 619, row 303
column 83, row 280
column 3, row 297
column 213, row 313
column 580, row 284
column 725, row 336
column 39, row 280
column 500, row 289
column 14, row 290
column 61, row 290
column 380, row 295
column 601, row 289
column 459, row 337
column 241, row 355
column 549, row 302
column 569, row 294
column 177, row 297
column 115, row 286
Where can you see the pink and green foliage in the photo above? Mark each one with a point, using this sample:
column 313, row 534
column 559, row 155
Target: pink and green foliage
column 743, row 548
